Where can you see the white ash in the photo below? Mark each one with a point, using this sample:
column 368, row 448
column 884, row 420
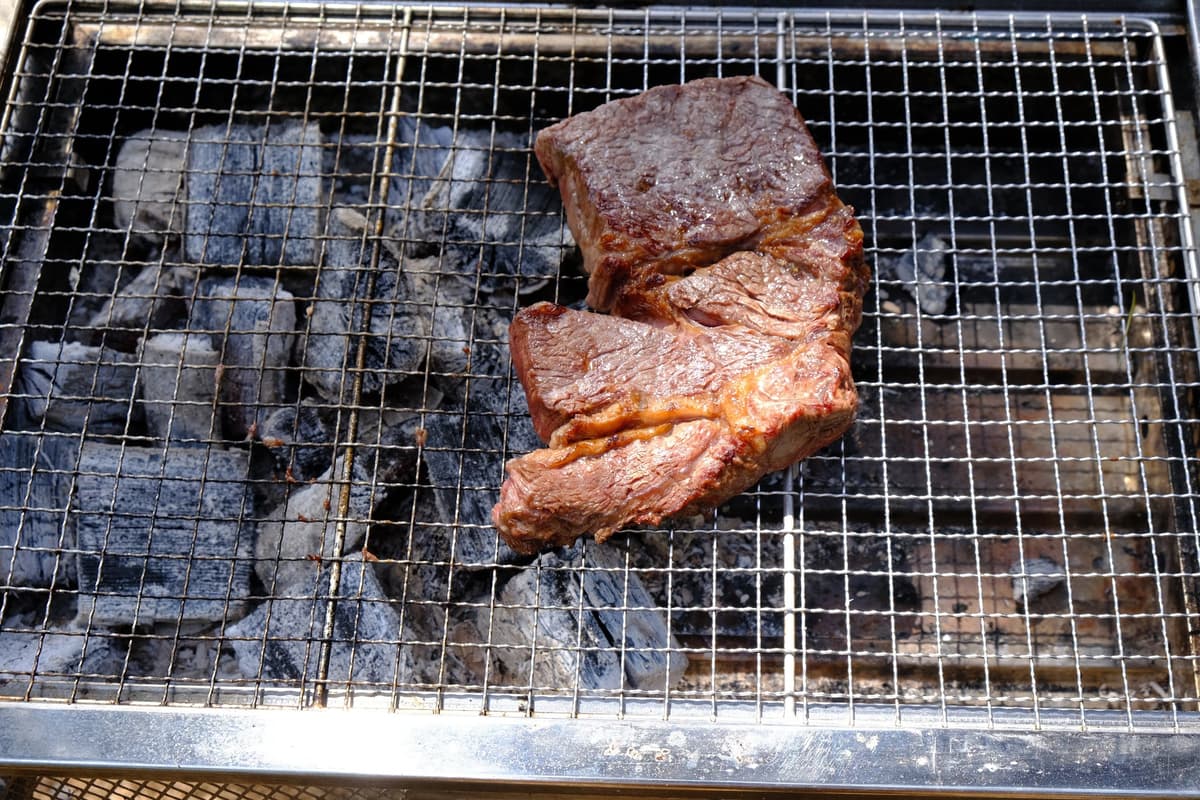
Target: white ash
column 923, row 271
column 1033, row 579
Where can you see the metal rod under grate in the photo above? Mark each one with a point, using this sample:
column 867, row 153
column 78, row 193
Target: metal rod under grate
column 259, row 264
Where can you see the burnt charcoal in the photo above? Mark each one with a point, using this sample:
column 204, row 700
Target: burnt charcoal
column 178, row 380
column 281, row 639
column 147, row 184
column 300, row 438
column 75, row 388
column 483, row 422
column 652, row 657
column 923, row 272
column 156, row 543
column 540, row 637
column 395, row 344
column 419, row 160
column 35, row 543
column 295, row 538
column 494, row 214
column 252, row 322
column 152, row 300
column 69, row 652
column 1034, row 585
column 255, row 194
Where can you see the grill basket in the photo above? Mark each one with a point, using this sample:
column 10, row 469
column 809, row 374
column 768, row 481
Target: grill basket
column 258, row 265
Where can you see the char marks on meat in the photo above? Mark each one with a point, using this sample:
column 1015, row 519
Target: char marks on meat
column 734, row 276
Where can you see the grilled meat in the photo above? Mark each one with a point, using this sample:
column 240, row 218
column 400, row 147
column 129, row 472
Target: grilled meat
column 734, row 275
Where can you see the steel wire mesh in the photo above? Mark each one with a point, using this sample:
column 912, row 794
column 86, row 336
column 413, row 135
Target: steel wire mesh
column 260, row 262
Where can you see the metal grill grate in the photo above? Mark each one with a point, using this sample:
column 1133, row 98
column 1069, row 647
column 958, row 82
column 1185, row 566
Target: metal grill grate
column 259, row 264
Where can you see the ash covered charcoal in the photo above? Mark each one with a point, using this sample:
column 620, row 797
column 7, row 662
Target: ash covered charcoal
column 281, row 639
column 1034, row 580
column 624, row 607
column 157, row 543
column 178, row 379
column 923, row 271
column 295, row 538
column 252, row 322
column 483, row 422
column 494, row 213
column 147, row 184
column 153, row 299
column 68, row 652
column 74, row 387
column 537, row 624
column 255, row 194
column 305, row 438
column 35, row 475
column 394, row 347
column 301, row 438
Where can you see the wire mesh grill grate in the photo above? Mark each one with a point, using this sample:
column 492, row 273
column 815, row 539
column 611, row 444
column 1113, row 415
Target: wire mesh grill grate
column 259, row 269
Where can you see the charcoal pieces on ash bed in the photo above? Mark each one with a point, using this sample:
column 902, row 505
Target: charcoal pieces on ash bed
column 252, row 321
column 281, row 638
column 577, row 618
column 235, row 193
column 157, row 543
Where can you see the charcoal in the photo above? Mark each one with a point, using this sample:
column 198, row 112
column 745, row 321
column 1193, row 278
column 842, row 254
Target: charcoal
column 495, row 213
column 440, row 305
column 394, row 346
column 419, row 157
column 463, row 476
column 252, row 322
column 298, row 536
column 624, row 607
column 153, row 299
column 537, row 624
column 255, row 194
column 35, row 474
column 178, row 382
column 147, row 184
column 281, row 639
column 923, row 271
column 301, row 438
column 157, row 542
column 73, row 387
column 1033, row 581
column 69, row 652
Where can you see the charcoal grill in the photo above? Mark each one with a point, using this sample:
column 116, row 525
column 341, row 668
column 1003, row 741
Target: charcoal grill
column 988, row 585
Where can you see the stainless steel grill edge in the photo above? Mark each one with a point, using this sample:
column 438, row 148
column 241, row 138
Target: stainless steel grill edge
column 988, row 585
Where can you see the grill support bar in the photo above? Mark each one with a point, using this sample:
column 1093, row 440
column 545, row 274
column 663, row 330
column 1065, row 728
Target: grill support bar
column 425, row 749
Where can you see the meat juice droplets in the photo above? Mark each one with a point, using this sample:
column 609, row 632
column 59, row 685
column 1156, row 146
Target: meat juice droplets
column 733, row 279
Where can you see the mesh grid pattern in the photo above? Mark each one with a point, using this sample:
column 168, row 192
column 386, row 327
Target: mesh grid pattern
column 259, row 270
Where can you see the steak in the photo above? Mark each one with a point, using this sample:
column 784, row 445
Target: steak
column 734, row 277
column 680, row 176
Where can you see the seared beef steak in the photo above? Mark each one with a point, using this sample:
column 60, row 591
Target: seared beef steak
column 679, row 176
column 735, row 277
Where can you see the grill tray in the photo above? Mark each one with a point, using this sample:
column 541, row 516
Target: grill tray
column 1004, row 542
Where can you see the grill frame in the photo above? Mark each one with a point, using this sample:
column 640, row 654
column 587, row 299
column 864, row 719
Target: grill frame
column 912, row 738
